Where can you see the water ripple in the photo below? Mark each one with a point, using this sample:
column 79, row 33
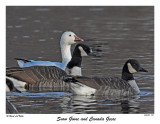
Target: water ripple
column 43, row 9
column 96, row 9
column 26, row 36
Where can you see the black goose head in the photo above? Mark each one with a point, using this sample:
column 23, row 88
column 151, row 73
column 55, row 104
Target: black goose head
column 79, row 51
column 82, row 50
column 131, row 66
column 134, row 66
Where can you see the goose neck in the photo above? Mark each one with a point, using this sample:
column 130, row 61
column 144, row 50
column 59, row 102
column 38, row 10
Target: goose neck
column 127, row 76
column 75, row 61
column 66, row 53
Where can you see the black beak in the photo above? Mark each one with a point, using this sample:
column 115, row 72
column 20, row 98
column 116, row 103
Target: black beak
column 142, row 70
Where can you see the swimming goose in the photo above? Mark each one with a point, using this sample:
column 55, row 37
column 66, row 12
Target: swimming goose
column 48, row 76
column 108, row 86
column 67, row 39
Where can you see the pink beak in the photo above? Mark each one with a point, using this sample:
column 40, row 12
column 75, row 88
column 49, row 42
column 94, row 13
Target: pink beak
column 77, row 38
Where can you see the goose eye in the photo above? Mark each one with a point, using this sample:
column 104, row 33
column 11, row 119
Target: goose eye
column 70, row 35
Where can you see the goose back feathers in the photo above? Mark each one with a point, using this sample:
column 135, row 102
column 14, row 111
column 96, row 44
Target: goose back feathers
column 106, row 86
column 39, row 76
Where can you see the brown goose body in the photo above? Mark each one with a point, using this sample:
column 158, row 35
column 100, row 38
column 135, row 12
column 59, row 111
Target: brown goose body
column 109, row 86
column 105, row 86
column 38, row 76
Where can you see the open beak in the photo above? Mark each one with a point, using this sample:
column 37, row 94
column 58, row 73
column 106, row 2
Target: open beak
column 77, row 38
column 142, row 70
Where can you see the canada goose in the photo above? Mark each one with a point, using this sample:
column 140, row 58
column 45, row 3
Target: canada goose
column 48, row 76
column 108, row 86
column 74, row 66
column 67, row 39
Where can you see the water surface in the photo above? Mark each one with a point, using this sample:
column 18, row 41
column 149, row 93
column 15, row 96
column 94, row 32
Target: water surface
column 115, row 33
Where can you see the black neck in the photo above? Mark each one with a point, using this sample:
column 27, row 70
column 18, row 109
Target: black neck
column 76, row 59
column 126, row 75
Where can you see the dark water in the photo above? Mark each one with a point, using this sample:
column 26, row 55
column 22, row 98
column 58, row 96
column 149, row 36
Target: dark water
column 115, row 33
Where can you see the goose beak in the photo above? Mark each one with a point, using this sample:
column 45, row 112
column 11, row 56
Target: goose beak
column 142, row 70
column 77, row 38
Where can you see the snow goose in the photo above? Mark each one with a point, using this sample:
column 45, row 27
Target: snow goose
column 48, row 76
column 67, row 39
column 108, row 86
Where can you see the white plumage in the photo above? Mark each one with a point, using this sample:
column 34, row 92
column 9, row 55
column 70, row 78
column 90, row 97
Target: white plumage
column 67, row 39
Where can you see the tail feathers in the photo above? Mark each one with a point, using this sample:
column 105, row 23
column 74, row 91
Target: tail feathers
column 21, row 62
column 24, row 60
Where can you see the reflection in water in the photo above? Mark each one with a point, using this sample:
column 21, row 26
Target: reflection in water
column 83, row 104
column 115, row 33
column 130, row 106
column 63, row 102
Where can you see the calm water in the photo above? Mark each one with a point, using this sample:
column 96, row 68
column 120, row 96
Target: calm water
column 115, row 33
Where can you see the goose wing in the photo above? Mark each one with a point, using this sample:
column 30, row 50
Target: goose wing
column 98, row 82
column 28, row 63
column 88, row 81
column 36, row 74
column 107, row 86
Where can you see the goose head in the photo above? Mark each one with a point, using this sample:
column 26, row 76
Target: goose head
column 82, row 50
column 134, row 66
column 130, row 67
column 69, row 38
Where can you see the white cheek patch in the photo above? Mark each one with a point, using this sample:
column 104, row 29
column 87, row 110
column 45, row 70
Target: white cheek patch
column 130, row 68
column 83, row 53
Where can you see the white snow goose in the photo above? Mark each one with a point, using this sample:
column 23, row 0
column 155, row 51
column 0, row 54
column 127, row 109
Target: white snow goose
column 67, row 39
column 48, row 76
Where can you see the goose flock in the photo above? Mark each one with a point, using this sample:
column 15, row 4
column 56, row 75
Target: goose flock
column 68, row 74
